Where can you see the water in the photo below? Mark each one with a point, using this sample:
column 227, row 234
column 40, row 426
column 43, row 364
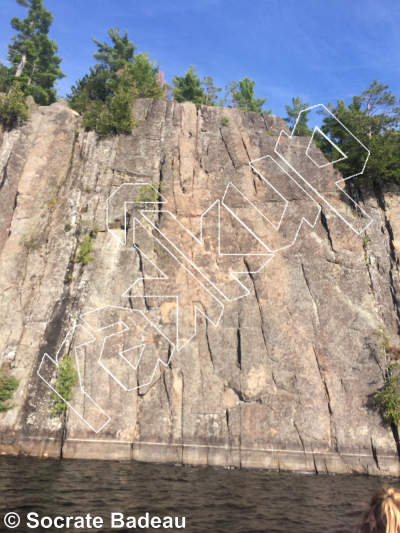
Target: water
column 212, row 500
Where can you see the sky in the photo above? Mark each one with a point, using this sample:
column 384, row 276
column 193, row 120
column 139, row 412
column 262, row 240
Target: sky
column 319, row 50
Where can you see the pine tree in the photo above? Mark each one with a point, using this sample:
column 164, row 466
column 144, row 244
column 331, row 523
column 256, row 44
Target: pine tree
column 188, row 88
column 13, row 105
column 382, row 105
column 113, row 58
column 302, row 130
column 3, row 74
column 31, row 54
column 105, row 95
column 146, row 75
column 230, row 91
column 211, row 90
column 115, row 115
column 101, row 81
column 242, row 95
column 373, row 118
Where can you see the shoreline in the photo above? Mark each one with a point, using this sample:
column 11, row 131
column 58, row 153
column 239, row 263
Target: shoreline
column 203, row 456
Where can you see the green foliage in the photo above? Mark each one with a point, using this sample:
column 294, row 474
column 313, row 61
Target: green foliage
column 373, row 118
column 384, row 339
column 302, row 130
column 51, row 203
column 34, row 65
column 87, row 189
column 188, row 88
column 67, row 227
column 225, row 121
column 89, row 231
column 112, row 58
column 8, row 385
column 145, row 74
column 66, row 380
column 242, row 95
column 116, row 114
column 13, row 106
column 367, row 240
column 105, row 96
column 387, row 398
column 211, row 91
column 29, row 242
column 83, row 255
column 148, row 193
column 3, row 74
column 86, row 227
column 121, row 104
column 230, row 90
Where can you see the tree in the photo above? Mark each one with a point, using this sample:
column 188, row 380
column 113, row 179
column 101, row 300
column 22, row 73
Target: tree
column 31, row 54
column 67, row 378
column 188, row 88
column 100, row 83
column 381, row 103
column 104, row 96
column 302, row 130
column 8, row 385
column 3, row 74
column 373, row 118
column 242, row 95
column 113, row 58
column 211, row 90
column 115, row 115
column 146, row 75
column 230, row 91
column 387, row 398
column 13, row 105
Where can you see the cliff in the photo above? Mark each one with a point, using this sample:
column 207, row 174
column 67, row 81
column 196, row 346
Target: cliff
column 237, row 325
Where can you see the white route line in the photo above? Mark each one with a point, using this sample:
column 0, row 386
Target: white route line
column 178, row 348
column 332, row 143
column 120, row 353
column 200, row 241
column 56, row 363
column 332, row 163
column 277, row 227
column 163, row 201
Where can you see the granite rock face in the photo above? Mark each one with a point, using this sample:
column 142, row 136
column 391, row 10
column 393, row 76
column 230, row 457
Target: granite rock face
column 275, row 372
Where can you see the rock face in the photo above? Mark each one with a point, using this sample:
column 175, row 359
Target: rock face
column 275, row 372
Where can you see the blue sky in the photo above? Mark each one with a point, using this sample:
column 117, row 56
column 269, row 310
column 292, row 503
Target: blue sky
column 319, row 50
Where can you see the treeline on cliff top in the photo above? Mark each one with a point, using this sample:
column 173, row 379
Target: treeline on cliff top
column 105, row 95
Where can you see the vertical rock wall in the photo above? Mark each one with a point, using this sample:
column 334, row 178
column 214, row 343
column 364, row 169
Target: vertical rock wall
column 284, row 381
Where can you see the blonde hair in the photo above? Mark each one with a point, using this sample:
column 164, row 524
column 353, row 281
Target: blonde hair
column 383, row 515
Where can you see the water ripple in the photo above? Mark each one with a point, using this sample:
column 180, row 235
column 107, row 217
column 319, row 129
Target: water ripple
column 217, row 500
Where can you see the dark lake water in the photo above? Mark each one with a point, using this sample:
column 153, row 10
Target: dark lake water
column 211, row 500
